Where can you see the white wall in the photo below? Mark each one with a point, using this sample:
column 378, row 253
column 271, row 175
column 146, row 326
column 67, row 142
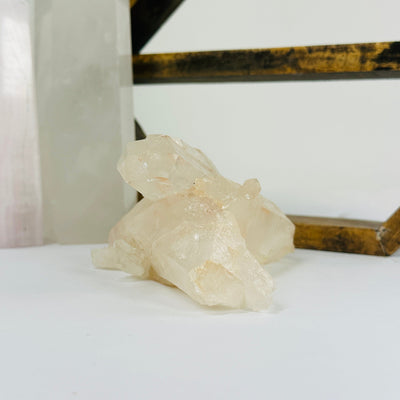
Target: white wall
column 318, row 148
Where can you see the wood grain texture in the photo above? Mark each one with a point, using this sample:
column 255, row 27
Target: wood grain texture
column 344, row 61
column 147, row 16
column 349, row 236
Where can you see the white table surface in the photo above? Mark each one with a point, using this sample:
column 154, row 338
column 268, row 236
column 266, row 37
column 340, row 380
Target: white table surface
column 70, row 331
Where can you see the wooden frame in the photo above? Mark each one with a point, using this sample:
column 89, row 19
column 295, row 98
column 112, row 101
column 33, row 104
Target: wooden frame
column 349, row 61
column 345, row 61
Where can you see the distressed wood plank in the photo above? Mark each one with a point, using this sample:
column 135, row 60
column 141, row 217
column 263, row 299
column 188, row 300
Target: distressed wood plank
column 342, row 235
column 147, row 16
column 344, row 61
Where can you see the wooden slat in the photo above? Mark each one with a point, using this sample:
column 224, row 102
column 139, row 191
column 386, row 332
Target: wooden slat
column 147, row 16
column 348, row 236
column 347, row 61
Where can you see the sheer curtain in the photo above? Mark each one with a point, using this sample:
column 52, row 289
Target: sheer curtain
column 20, row 193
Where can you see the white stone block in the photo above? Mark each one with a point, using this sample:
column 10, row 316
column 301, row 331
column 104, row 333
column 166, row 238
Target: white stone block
column 84, row 92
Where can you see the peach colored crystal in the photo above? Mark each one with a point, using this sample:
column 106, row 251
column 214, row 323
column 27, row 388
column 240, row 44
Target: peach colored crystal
column 194, row 229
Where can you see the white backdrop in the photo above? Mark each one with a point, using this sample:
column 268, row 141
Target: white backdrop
column 318, row 148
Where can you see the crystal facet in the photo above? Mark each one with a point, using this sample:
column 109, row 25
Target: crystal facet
column 195, row 229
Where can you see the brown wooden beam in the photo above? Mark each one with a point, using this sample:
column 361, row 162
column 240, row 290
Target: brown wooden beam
column 343, row 61
column 147, row 16
column 349, row 236
column 329, row 234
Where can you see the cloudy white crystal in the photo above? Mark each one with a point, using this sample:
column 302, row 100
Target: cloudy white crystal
column 194, row 229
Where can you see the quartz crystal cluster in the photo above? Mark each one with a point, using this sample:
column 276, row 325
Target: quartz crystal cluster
column 195, row 229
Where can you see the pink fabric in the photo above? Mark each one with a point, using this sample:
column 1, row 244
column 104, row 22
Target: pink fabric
column 20, row 192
